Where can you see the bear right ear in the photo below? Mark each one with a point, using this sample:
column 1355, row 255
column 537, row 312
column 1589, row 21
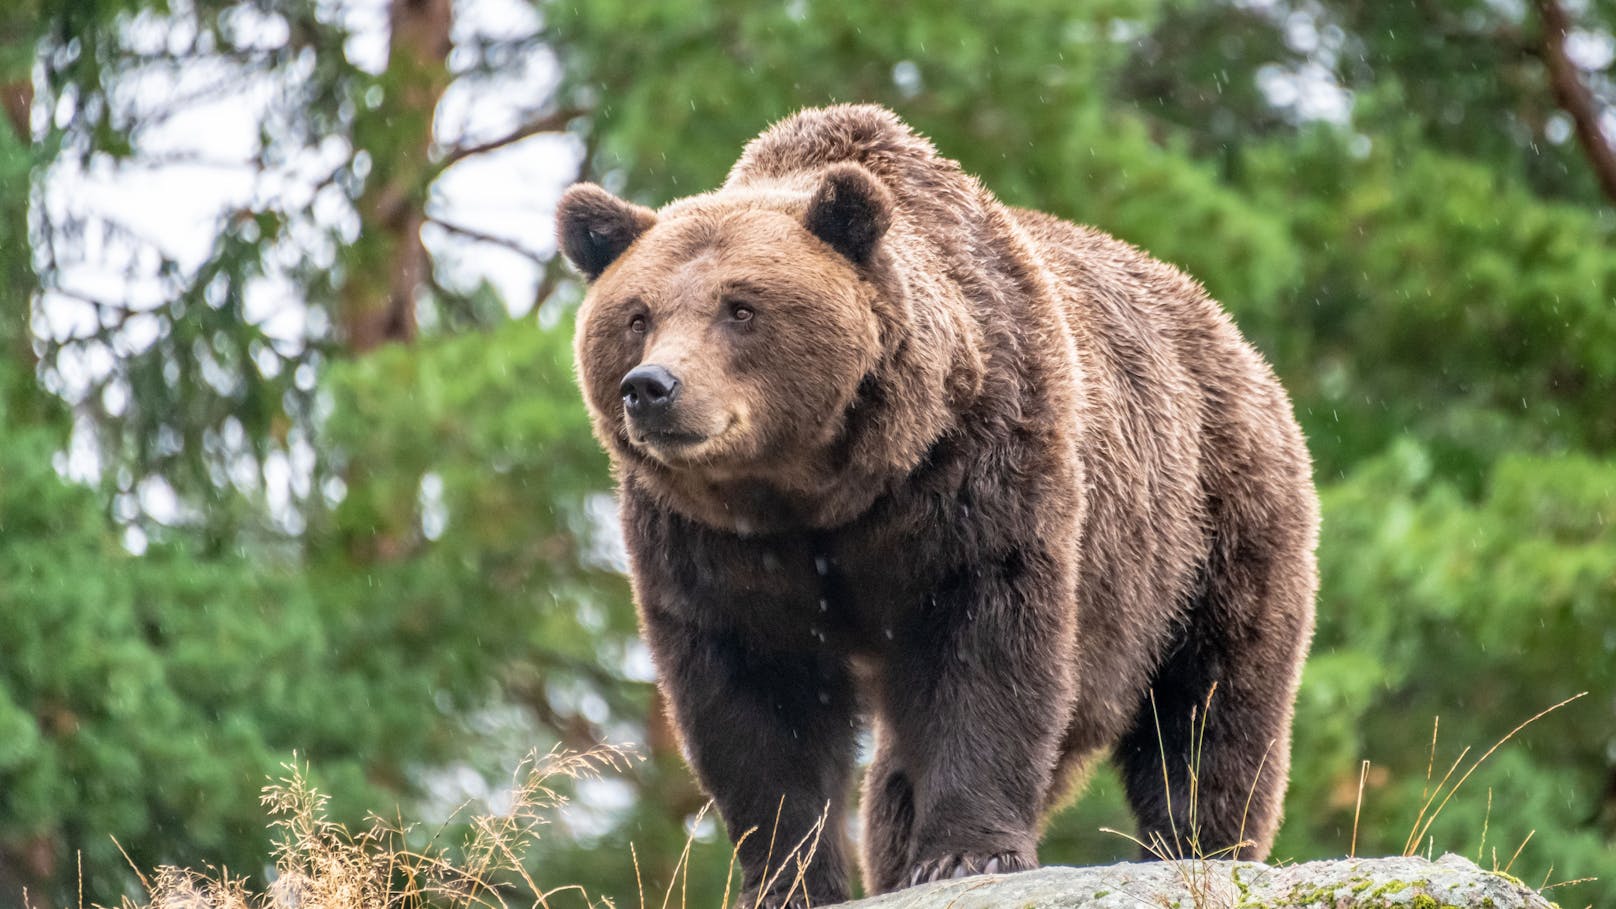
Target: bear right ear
column 850, row 210
column 594, row 227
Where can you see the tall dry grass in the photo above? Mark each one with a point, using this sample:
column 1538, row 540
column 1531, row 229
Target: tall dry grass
column 322, row 864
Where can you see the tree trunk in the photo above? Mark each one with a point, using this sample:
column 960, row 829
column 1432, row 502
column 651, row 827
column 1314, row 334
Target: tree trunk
column 388, row 263
column 1574, row 98
column 18, row 283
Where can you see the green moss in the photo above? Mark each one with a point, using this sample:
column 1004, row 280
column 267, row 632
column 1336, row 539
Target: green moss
column 1508, row 877
column 1389, row 888
column 1367, row 895
column 1426, row 901
column 1244, row 888
column 1307, row 894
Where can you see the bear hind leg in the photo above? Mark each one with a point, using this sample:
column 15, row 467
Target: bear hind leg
column 1206, row 761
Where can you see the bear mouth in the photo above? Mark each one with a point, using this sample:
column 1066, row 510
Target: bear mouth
column 671, row 439
column 680, row 447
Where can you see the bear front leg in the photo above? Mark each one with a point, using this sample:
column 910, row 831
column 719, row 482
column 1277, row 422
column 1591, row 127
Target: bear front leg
column 976, row 694
column 888, row 808
column 771, row 737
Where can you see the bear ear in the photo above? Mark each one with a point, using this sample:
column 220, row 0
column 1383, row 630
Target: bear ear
column 593, row 227
column 850, row 210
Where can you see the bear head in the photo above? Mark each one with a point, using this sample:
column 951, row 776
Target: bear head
column 724, row 339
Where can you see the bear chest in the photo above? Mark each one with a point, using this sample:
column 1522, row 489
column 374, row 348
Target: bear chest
column 849, row 591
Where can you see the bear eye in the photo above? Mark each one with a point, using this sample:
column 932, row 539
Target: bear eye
column 637, row 325
column 740, row 312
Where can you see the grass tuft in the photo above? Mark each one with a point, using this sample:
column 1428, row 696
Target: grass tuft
column 321, row 864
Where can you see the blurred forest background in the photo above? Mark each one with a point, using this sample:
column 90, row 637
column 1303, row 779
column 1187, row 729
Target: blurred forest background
column 291, row 457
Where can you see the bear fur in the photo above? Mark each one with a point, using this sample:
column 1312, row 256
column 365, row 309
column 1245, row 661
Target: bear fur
column 1006, row 489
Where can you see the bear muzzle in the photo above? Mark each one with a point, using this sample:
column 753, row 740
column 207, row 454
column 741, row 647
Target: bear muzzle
column 650, row 393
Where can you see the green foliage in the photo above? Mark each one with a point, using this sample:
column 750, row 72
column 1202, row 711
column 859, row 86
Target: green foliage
column 1481, row 612
column 1498, row 112
column 140, row 699
column 469, row 467
column 1434, row 277
column 146, row 698
column 1469, row 291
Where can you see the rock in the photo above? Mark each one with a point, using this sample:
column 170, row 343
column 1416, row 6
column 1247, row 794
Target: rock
column 1451, row 882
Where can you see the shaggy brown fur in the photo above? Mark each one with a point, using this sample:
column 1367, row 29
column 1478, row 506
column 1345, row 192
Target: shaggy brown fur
column 889, row 449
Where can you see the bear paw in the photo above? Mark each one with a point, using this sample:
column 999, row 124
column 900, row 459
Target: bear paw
column 965, row 864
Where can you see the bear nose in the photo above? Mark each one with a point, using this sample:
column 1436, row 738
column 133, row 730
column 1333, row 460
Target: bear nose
column 648, row 391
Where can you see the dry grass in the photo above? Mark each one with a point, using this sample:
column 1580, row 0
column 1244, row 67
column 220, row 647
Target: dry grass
column 321, row 864
column 1186, row 853
column 1427, row 815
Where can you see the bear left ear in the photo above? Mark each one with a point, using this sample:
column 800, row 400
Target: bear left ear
column 594, row 227
column 850, row 210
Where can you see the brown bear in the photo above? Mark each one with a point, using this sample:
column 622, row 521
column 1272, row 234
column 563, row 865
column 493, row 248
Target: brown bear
column 1006, row 487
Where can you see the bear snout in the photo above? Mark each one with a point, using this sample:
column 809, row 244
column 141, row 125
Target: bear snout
column 648, row 394
column 659, row 418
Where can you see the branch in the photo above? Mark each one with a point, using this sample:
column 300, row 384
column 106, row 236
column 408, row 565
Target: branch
column 554, row 271
column 549, row 123
column 1574, row 98
column 470, row 233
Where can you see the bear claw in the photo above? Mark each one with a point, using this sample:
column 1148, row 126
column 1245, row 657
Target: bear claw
column 965, row 864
